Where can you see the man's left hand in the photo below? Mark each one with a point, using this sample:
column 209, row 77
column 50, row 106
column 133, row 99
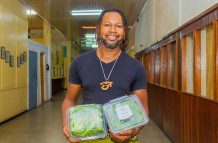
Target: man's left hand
column 124, row 135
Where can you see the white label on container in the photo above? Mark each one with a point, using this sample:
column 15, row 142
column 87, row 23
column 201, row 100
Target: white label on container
column 123, row 112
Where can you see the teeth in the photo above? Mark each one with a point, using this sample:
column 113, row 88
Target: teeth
column 110, row 37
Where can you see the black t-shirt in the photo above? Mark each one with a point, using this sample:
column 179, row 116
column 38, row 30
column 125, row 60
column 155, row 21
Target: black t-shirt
column 128, row 75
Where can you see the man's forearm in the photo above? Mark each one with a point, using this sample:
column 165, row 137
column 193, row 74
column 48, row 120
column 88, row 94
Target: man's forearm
column 65, row 105
column 143, row 97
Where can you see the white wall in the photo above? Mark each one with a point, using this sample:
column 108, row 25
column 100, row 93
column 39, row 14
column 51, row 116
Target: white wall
column 145, row 27
column 192, row 8
column 166, row 17
column 160, row 17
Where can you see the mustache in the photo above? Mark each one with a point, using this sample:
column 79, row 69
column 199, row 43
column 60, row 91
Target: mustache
column 101, row 40
column 115, row 35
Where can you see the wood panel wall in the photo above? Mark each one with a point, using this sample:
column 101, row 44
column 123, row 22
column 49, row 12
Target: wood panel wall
column 215, row 24
column 197, row 62
column 199, row 120
column 185, row 117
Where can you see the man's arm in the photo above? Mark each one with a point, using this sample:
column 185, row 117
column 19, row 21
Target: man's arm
column 70, row 100
column 143, row 97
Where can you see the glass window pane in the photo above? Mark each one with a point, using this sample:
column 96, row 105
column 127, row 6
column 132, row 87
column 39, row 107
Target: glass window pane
column 210, row 62
column 203, row 62
column 190, row 64
column 207, row 62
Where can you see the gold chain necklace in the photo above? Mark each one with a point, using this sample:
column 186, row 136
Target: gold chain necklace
column 107, row 84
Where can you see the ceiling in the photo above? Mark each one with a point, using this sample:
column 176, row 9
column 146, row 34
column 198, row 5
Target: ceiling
column 58, row 13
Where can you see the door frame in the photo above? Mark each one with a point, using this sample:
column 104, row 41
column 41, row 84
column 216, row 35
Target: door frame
column 42, row 76
column 40, row 48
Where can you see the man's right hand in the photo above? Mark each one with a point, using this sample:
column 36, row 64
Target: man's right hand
column 67, row 135
column 70, row 99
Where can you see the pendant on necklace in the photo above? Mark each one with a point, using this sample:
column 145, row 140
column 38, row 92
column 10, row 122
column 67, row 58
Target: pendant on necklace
column 106, row 85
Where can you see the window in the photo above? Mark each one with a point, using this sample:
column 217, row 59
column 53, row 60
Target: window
column 163, row 65
column 157, row 67
column 207, row 62
column 188, row 63
column 172, row 65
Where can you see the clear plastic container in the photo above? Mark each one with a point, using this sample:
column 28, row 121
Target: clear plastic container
column 86, row 122
column 125, row 113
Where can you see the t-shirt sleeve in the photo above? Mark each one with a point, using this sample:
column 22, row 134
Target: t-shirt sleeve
column 74, row 77
column 140, row 81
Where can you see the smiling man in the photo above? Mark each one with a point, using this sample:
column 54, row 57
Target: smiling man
column 107, row 73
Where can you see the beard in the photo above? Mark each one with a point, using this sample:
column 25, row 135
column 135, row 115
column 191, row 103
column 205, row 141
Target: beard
column 109, row 45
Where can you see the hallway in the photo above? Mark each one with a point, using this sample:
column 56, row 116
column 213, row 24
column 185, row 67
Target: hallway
column 43, row 125
column 174, row 44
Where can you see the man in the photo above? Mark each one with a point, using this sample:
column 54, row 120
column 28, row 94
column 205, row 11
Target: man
column 107, row 73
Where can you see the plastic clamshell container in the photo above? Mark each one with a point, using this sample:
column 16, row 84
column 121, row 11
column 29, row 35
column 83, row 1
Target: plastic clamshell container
column 86, row 122
column 125, row 113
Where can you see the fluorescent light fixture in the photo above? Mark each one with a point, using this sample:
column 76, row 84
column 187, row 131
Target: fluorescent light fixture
column 90, row 35
column 88, row 27
column 30, row 12
column 85, row 12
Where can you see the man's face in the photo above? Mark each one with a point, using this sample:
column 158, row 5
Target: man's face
column 112, row 30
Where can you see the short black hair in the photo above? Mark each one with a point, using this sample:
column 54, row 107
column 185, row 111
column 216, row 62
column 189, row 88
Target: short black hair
column 125, row 41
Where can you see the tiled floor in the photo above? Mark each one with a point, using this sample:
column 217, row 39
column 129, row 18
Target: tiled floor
column 43, row 125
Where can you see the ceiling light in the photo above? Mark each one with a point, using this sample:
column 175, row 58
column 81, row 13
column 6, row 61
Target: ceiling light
column 30, row 12
column 89, row 27
column 85, row 12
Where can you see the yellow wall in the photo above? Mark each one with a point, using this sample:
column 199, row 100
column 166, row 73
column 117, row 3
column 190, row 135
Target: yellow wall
column 72, row 52
column 67, row 62
column 13, row 80
column 39, row 40
column 46, row 33
column 57, row 60
column 57, row 54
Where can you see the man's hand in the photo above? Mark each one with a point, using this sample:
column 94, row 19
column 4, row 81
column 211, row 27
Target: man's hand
column 67, row 135
column 125, row 135
column 69, row 101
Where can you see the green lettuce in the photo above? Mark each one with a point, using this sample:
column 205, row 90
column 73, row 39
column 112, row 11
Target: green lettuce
column 117, row 125
column 86, row 121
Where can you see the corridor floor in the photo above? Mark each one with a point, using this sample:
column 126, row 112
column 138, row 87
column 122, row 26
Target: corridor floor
column 43, row 125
